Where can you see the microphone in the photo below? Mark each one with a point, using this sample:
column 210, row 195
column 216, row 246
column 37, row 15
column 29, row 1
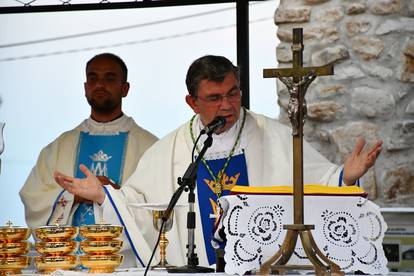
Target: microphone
column 214, row 125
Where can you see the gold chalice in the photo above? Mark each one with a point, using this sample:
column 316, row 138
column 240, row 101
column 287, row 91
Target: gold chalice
column 157, row 216
column 157, row 210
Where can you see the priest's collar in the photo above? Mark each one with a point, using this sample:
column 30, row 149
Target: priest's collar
column 223, row 142
column 120, row 124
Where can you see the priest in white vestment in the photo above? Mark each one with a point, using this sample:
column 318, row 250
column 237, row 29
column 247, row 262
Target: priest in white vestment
column 250, row 149
column 110, row 142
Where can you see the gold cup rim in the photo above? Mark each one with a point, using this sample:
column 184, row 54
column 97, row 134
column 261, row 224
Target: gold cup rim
column 55, row 233
column 100, row 231
column 14, row 233
column 46, row 227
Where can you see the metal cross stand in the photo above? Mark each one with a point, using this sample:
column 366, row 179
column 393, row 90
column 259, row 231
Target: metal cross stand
column 301, row 77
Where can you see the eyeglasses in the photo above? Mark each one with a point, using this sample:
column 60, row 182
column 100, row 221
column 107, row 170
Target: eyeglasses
column 232, row 97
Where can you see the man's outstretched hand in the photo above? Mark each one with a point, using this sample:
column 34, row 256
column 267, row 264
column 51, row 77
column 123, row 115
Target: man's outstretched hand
column 358, row 162
column 84, row 189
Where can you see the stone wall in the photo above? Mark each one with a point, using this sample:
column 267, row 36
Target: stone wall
column 371, row 44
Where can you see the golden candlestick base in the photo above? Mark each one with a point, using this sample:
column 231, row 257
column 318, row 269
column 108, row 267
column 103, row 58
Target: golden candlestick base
column 157, row 221
column 13, row 245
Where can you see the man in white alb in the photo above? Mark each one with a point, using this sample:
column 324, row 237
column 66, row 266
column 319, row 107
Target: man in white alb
column 109, row 143
column 250, row 149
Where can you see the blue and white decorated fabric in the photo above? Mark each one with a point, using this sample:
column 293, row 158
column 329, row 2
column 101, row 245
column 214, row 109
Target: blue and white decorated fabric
column 104, row 155
column 348, row 229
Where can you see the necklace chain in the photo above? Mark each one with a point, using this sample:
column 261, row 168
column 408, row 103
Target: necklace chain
column 217, row 180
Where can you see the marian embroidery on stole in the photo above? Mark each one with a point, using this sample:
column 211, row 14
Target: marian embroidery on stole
column 104, row 155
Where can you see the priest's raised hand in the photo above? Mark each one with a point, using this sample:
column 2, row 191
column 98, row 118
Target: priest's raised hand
column 89, row 188
column 359, row 161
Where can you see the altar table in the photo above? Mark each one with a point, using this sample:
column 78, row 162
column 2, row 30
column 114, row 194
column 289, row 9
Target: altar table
column 348, row 229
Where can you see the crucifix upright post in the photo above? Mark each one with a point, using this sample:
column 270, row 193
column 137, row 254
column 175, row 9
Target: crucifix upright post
column 297, row 79
column 300, row 80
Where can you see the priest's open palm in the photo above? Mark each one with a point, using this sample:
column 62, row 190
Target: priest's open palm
column 359, row 161
column 89, row 188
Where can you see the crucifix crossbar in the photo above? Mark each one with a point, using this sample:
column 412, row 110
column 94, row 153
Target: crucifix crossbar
column 297, row 79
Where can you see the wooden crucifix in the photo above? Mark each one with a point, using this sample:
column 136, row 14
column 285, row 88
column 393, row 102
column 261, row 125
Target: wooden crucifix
column 297, row 79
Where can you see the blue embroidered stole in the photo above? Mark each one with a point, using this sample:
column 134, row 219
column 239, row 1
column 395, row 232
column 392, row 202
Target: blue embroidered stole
column 235, row 174
column 103, row 155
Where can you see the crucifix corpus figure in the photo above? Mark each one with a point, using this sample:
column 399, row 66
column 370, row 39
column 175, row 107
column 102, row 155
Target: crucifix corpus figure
column 297, row 91
column 297, row 80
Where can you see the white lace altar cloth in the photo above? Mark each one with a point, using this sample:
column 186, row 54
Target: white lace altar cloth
column 348, row 229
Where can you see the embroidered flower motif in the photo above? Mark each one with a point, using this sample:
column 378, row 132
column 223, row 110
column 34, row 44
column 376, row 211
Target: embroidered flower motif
column 263, row 225
column 340, row 228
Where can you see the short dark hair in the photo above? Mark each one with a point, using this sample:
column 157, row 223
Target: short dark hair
column 212, row 68
column 113, row 57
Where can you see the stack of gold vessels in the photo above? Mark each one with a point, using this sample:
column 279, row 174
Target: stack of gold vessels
column 56, row 246
column 13, row 245
column 100, row 247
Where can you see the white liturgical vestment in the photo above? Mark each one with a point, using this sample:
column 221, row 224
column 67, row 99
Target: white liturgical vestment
column 44, row 199
column 267, row 146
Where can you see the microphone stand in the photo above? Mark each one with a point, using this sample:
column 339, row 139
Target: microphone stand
column 187, row 183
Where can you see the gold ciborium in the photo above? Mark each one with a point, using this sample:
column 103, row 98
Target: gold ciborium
column 13, row 246
column 56, row 233
column 101, row 247
column 63, row 247
column 57, row 248
column 49, row 263
column 157, row 222
column 100, row 232
column 13, row 264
